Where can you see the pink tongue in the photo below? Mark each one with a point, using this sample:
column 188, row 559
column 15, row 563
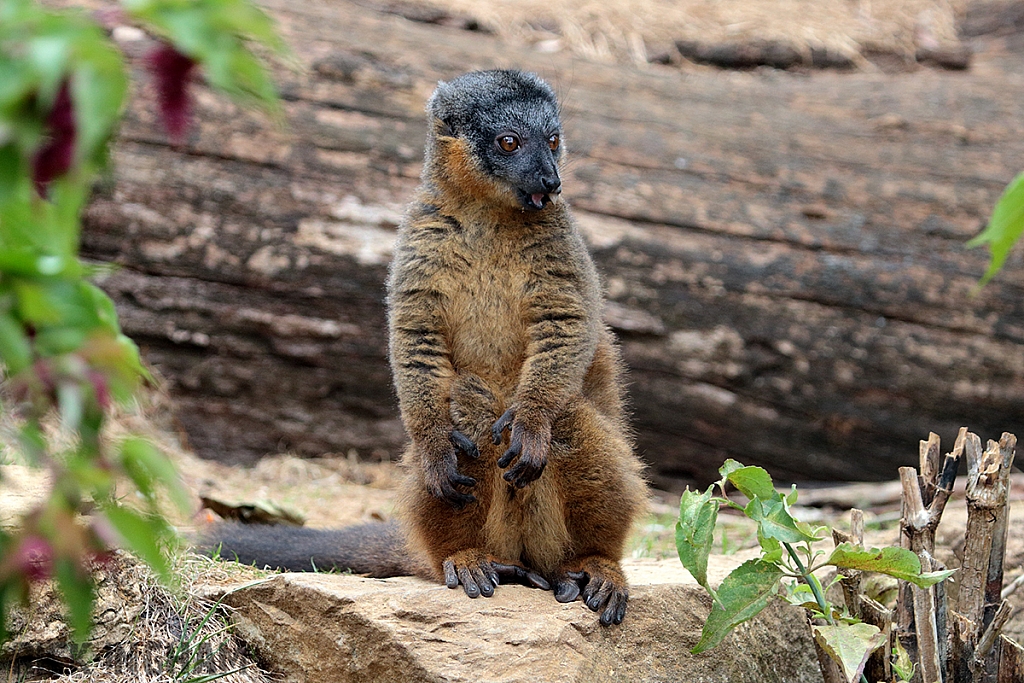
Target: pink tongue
column 537, row 199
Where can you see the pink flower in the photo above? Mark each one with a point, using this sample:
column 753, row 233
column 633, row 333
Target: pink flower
column 34, row 557
column 172, row 72
column 101, row 388
column 54, row 158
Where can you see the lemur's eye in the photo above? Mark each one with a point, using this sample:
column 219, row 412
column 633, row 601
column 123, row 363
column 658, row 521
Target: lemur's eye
column 553, row 142
column 508, row 142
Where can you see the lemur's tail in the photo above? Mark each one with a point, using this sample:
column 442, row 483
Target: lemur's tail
column 374, row 549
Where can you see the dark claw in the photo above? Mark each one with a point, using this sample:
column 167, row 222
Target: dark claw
column 504, row 422
column 447, row 493
column 620, row 613
column 464, row 444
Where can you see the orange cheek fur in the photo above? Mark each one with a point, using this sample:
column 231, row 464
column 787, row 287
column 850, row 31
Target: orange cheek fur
column 463, row 178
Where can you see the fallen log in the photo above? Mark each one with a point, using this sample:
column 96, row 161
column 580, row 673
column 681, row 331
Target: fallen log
column 783, row 252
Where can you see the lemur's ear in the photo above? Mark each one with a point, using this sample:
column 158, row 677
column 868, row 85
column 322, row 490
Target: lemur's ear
column 443, row 128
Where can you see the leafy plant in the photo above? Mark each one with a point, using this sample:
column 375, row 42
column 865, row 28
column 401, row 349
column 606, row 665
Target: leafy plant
column 65, row 360
column 1004, row 227
column 786, row 568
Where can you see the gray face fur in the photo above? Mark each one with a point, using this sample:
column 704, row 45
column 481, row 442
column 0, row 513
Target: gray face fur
column 489, row 107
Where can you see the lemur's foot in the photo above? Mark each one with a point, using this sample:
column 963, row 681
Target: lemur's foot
column 480, row 573
column 603, row 584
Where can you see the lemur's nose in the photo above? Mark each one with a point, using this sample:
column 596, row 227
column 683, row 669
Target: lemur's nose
column 551, row 183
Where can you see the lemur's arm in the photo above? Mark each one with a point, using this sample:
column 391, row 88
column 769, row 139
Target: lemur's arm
column 421, row 365
column 563, row 336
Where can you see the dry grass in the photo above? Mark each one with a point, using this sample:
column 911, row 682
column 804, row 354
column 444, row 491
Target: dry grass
column 145, row 632
column 631, row 29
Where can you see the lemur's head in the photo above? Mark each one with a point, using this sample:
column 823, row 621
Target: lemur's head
column 498, row 133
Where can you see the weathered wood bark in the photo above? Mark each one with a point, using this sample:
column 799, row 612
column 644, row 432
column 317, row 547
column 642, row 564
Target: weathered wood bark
column 922, row 624
column 783, row 253
column 1011, row 665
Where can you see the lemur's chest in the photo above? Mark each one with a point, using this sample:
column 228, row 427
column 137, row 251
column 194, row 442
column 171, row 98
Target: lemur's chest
column 486, row 313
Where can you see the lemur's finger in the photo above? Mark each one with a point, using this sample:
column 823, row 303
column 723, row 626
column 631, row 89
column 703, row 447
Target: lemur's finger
column 482, row 581
column 451, row 579
column 514, row 449
column 468, row 584
column 457, row 477
column 599, row 597
column 527, row 469
column 501, row 424
column 491, row 572
column 464, row 444
column 444, row 490
column 616, row 610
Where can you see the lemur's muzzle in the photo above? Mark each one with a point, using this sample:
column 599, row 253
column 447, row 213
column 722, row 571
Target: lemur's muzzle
column 552, row 188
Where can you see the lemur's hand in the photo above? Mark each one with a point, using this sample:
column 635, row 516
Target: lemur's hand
column 441, row 468
column 530, row 442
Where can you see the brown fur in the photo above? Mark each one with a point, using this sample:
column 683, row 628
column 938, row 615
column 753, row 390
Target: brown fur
column 494, row 308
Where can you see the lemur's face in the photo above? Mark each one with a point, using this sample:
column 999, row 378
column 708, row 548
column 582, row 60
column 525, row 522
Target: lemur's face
column 525, row 153
column 510, row 121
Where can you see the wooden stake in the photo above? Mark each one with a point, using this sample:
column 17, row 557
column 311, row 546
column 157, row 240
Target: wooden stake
column 921, row 613
column 963, row 642
column 981, row 576
column 1011, row 664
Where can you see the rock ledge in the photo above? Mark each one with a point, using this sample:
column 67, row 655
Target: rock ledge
column 337, row 628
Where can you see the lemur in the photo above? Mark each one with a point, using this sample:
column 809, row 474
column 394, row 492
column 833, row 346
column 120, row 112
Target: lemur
column 521, row 466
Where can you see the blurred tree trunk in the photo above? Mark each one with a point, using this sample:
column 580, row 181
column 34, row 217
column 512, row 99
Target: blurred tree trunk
column 783, row 252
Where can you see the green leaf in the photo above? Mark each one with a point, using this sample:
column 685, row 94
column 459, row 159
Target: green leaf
column 902, row 664
column 800, row 595
column 792, row 496
column 15, row 349
column 897, row 562
column 849, row 645
column 146, row 466
column 774, row 521
column 1004, row 227
column 753, row 482
column 698, row 514
column 71, row 401
column 141, row 534
column 771, row 549
column 728, row 467
column 76, row 585
column 743, row 594
column 89, row 474
column 54, row 341
column 99, row 85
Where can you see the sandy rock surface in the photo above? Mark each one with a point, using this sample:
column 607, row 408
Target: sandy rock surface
column 316, row 627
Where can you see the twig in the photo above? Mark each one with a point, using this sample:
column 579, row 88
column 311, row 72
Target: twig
column 988, row 640
column 1012, row 587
